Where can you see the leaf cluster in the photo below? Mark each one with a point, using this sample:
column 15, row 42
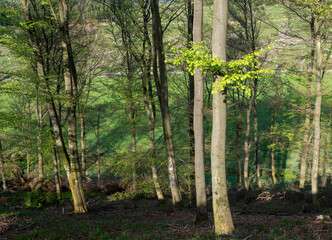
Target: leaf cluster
column 232, row 74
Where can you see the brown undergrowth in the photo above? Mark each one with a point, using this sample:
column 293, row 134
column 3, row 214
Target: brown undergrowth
column 265, row 215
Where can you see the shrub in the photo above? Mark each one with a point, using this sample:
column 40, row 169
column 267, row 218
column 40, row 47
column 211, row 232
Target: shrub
column 34, row 199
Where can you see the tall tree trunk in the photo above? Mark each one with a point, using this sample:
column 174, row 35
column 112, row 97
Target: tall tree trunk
column 29, row 146
column 238, row 154
column 306, row 142
column 223, row 222
column 98, row 146
column 190, row 24
column 55, row 165
column 325, row 163
column 317, row 112
column 83, row 143
column 2, row 169
column 273, row 171
column 162, row 88
column 198, row 120
column 70, row 77
column 246, row 146
column 56, row 173
column 70, row 166
column 258, row 172
column 148, row 97
column 39, row 132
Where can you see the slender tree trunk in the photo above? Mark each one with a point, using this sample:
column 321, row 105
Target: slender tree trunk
column 70, row 76
column 190, row 24
column 317, row 113
column 246, row 146
column 2, row 169
column 162, row 88
column 29, row 147
column 56, row 173
column 238, row 154
column 273, row 171
column 98, row 146
column 325, row 163
column 73, row 175
column 198, row 120
column 55, row 165
column 223, row 222
column 258, row 172
column 83, row 143
column 306, row 142
column 148, row 98
column 39, row 140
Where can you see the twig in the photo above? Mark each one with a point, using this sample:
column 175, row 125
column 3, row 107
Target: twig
column 247, row 237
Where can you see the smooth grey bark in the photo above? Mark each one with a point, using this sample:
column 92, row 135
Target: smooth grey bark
column 55, row 166
column 223, row 222
column 273, row 171
column 306, row 137
column 246, row 145
column 258, row 172
column 39, row 121
column 317, row 111
column 198, row 120
column 2, row 169
column 162, row 89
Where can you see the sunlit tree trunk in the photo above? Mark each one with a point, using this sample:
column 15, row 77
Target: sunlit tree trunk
column 258, row 172
column 246, row 146
column 70, row 77
column 273, row 171
column 162, row 88
column 2, row 169
column 223, row 222
column 39, row 132
column 198, row 120
column 317, row 112
column 306, row 142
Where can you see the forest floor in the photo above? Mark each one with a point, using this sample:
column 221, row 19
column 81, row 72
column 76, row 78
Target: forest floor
column 267, row 216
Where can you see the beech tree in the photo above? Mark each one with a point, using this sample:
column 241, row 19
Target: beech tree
column 2, row 169
column 198, row 120
column 160, row 77
column 223, row 222
column 71, row 162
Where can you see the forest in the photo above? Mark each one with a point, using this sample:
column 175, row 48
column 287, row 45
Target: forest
column 171, row 119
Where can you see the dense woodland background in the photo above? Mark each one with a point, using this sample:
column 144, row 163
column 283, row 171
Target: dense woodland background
column 116, row 100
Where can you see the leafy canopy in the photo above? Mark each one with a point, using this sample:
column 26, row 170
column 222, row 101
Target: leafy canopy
column 233, row 73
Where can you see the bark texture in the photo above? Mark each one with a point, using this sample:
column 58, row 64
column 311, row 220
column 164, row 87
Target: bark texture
column 317, row 112
column 2, row 169
column 308, row 112
column 162, row 88
column 148, row 96
column 222, row 214
column 198, row 120
column 247, row 147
